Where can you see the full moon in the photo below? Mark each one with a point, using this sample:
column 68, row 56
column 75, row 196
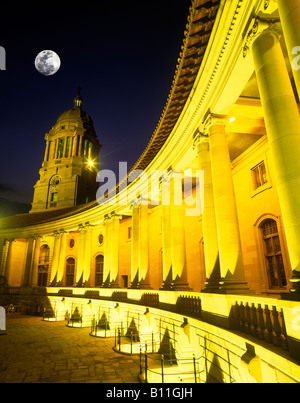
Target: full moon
column 47, row 62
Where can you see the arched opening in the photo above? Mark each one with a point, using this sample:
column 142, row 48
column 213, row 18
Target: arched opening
column 273, row 254
column 70, row 272
column 99, row 270
column 43, row 268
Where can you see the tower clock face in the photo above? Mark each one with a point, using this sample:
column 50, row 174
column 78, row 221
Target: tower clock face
column 56, row 181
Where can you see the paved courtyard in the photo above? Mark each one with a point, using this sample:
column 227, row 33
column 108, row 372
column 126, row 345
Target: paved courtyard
column 34, row 351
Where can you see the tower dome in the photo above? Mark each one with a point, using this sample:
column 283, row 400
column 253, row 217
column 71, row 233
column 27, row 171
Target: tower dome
column 76, row 115
column 69, row 171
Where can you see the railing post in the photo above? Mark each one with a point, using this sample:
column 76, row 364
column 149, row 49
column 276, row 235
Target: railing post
column 276, row 327
column 261, row 323
column 146, row 367
column 119, row 336
column 269, row 326
column 131, row 340
column 141, row 365
column 195, row 369
column 162, row 368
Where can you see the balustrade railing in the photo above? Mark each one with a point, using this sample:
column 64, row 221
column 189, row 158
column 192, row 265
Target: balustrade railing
column 189, row 305
column 262, row 321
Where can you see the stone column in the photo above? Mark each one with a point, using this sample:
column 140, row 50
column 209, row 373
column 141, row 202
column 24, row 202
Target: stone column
column 55, row 259
column 80, row 146
column 8, row 259
column 144, row 281
column 209, row 226
column 28, row 263
column 107, row 252
column 283, row 128
column 2, row 254
column 74, row 148
column 289, row 11
column 230, row 250
column 114, row 270
column 87, row 256
column 166, row 234
column 135, row 246
column 80, row 259
column 47, row 151
column 62, row 259
column 179, row 272
column 35, row 263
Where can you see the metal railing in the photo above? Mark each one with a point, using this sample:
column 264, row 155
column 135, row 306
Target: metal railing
column 160, row 368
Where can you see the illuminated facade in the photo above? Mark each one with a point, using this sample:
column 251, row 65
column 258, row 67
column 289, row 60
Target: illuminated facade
column 233, row 112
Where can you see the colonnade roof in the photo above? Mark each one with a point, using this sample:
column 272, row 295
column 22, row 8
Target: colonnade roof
column 197, row 35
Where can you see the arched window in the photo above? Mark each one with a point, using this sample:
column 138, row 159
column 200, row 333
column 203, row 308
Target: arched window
column 273, row 254
column 99, row 270
column 70, row 272
column 43, row 266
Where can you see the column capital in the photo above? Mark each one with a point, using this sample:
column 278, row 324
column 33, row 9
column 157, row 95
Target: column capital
column 82, row 227
column 200, row 138
column 212, row 119
column 258, row 27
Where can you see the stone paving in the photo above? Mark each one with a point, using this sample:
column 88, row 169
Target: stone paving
column 34, row 351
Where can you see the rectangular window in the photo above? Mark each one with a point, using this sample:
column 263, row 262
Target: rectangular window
column 60, row 148
column 129, row 233
column 259, row 175
column 68, row 147
column 54, row 197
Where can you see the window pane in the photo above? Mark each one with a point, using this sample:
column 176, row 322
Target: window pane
column 60, row 149
column 275, row 264
column 263, row 173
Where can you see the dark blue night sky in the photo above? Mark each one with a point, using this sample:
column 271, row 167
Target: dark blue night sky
column 122, row 54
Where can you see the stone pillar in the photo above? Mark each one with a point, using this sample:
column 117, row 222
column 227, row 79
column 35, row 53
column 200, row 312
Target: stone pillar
column 87, row 257
column 209, row 226
column 107, row 252
column 35, row 263
column 28, row 263
column 2, row 255
column 230, row 250
column 80, row 260
column 289, row 11
column 283, row 128
column 144, row 281
column 8, row 259
column 179, row 272
column 74, row 148
column 80, row 146
column 55, row 259
column 62, row 259
column 114, row 270
column 135, row 246
column 166, row 234
column 47, row 151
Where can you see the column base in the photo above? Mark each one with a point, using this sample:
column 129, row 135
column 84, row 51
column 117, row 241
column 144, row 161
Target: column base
column 295, row 280
column 211, row 287
column 166, row 286
column 234, row 287
column 178, row 286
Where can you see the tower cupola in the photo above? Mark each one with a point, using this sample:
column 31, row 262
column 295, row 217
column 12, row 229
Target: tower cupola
column 69, row 170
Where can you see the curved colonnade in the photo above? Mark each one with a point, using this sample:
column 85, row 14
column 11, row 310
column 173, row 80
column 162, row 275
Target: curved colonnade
column 233, row 99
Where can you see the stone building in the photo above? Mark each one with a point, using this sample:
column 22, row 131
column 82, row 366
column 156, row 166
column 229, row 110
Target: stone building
column 232, row 113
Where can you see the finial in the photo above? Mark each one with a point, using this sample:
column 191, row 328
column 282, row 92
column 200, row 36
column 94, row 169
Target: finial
column 78, row 99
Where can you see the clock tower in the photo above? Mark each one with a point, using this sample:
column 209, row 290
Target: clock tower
column 69, row 170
